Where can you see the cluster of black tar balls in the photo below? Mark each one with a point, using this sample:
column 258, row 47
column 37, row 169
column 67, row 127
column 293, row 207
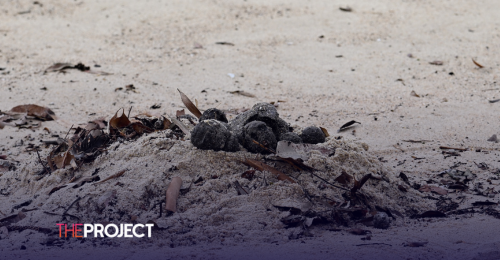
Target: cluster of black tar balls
column 261, row 124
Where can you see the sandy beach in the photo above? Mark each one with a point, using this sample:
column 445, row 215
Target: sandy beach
column 421, row 78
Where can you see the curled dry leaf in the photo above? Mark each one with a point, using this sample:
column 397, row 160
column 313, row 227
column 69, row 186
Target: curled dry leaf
column 180, row 113
column 324, row 131
column 414, row 94
column 64, row 159
column 347, row 125
column 189, row 105
column 172, row 194
column 37, row 111
column 477, row 64
column 119, row 122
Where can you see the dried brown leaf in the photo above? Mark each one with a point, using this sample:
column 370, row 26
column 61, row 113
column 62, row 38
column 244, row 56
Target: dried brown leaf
column 359, row 231
column 62, row 160
column 324, row 131
column 414, row 94
column 37, row 111
column 179, row 113
column 344, row 178
column 140, row 128
column 360, row 183
column 189, row 105
column 434, row 189
column 119, row 122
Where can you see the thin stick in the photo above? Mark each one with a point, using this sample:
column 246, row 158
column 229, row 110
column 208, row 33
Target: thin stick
column 329, row 182
column 68, row 131
column 40, row 160
column 129, row 111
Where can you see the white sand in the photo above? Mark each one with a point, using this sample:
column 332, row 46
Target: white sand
column 278, row 55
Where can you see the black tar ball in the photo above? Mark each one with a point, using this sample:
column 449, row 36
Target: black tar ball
column 213, row 135
column 292, row 137
column 313, row 135
column 260, row 132
column 213, row 113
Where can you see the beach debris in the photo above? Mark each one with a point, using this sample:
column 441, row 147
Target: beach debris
column 248, row 174
column 347, row 126
column 484, row 203
column 433, row 189
column 213, row 135
column 417, row 141
column 172, row 194
column 119, row 122
column 493, row 101
column 264, row 167
column 360, row 183
column 12, row 219
column 359, row 231
column 63, row 67
column 414, row 94
column 155, row 106
column 39, row 112
column 242, row 93
column 239, row 189
column 493, row 138
column 344, row 178
column 231, row 75
column 312, row 135
column 214, row 113
column 381, row 220
column 345, row 9
column 324, row 131
column 189, row 105
column 260, row 132
column 225, row 43
column 415, row 244
column 63, row 160
column 116, row 175
column 431, row 214
column 436, row 62
column 477, row 64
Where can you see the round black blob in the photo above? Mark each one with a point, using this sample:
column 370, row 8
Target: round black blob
column 214, row 113
column 313, row 135
column 210, row 135
column 260, row 132
column 292, row 137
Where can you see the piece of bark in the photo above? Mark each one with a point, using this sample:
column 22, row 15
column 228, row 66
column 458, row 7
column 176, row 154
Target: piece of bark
column 172, row 194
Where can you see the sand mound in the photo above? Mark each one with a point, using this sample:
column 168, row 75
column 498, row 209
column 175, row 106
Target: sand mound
column 209, row 207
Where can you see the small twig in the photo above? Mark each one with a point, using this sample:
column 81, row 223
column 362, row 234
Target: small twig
column 329, row 182
column 68, row 131
column 71, row 205
column 129, row 111
column 40, row 160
